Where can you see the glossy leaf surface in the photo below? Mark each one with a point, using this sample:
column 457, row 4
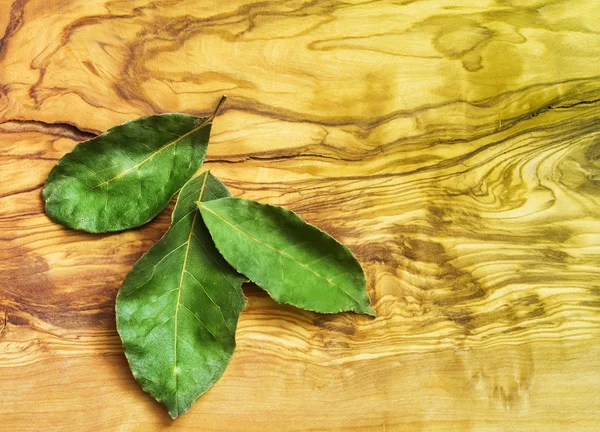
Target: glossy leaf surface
column 126, row 176
column 178, row 308
column 295, row 262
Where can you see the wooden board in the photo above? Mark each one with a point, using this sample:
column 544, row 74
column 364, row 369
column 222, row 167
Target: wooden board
column 454, row 146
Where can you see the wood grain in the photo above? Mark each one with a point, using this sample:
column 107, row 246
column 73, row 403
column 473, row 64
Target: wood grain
column 454, row 146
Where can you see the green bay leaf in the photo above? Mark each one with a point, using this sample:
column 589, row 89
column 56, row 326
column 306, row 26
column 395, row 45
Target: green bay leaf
column 123, row 178
column 178, row 308
column 295, row 262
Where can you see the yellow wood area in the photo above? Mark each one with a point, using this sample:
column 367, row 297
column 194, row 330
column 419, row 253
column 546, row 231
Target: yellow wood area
column 453, row 145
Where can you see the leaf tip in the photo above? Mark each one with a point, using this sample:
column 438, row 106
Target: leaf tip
column 371, row 312
column 174, row 408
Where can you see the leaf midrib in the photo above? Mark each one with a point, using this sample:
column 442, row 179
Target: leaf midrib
column 183, row 271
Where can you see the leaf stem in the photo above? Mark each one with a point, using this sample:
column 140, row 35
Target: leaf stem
column 219, row 105
column 210, row 118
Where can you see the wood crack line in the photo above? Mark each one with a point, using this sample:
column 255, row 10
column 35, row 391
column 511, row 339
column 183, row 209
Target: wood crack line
column 585, row 102
column 554, row 107
column 65, row 130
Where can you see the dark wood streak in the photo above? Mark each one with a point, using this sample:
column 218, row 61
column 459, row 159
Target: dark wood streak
column 14, row 24
column 66, row 35
column 4, row 322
